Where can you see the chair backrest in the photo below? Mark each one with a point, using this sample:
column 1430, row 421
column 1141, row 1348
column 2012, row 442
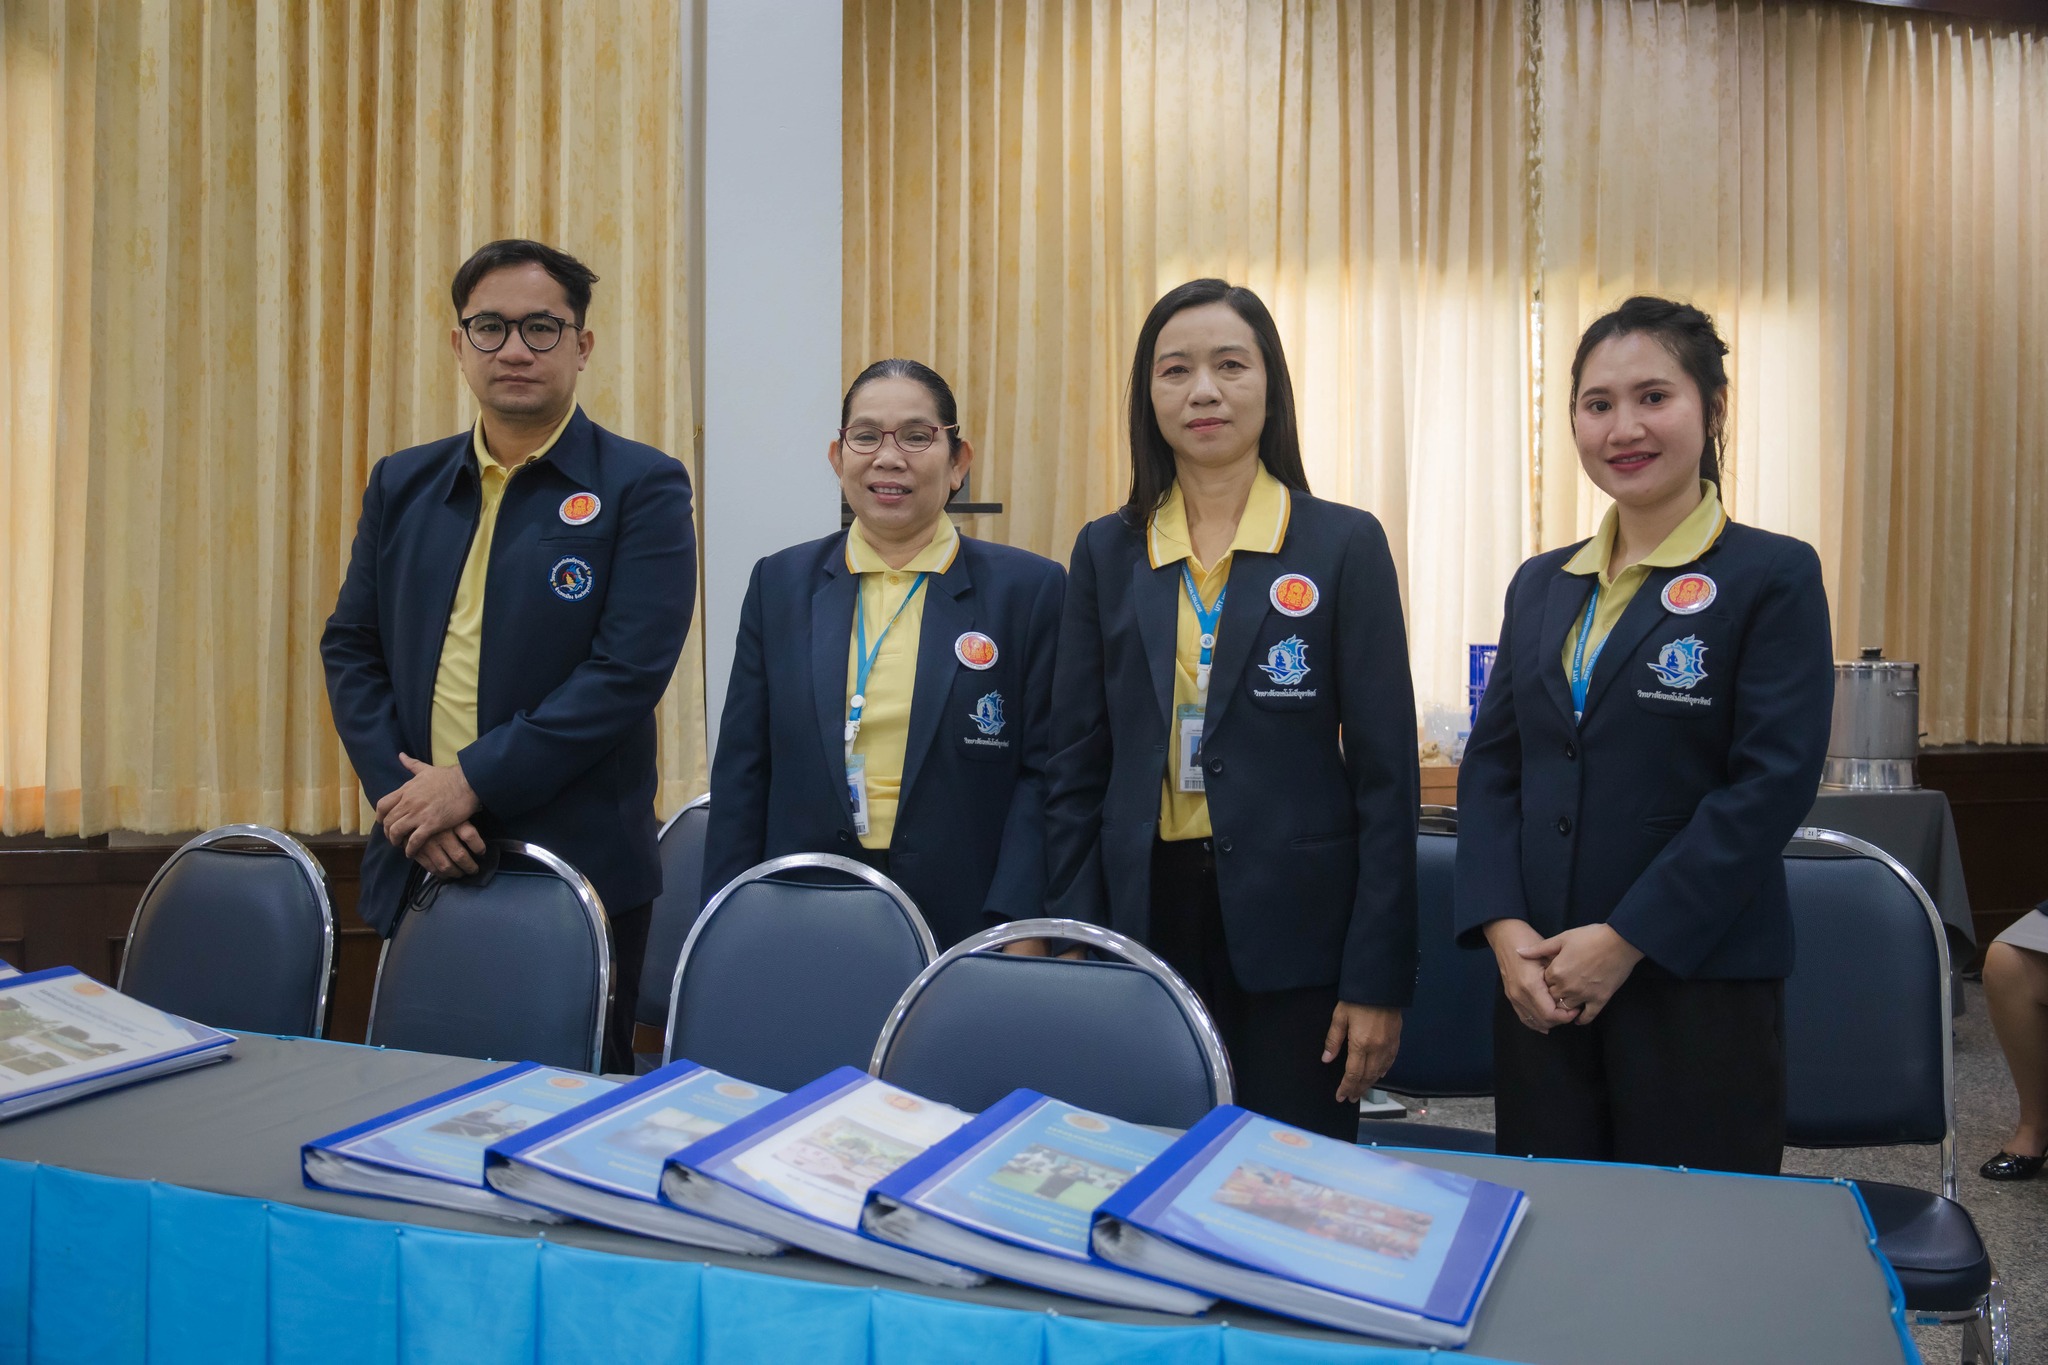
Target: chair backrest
column 1439, row 819
column 792, row 969
column 235, row 931
column 675, row 909
column 1447, row 1036
column 1867, row 1031
column 517, row 970
column 1123, row 1038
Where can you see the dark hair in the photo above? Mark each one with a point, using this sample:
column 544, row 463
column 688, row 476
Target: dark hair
column 1689, row 335
column 574, row 276
column 1151, row 457
column 897, row 368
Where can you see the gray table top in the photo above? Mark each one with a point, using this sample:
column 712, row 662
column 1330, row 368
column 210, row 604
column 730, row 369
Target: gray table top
column 1613, row 1264
column 1916, row 827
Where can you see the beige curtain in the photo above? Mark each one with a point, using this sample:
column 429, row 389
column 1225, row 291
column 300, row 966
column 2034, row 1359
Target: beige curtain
column 1025, row 177
column 1860, row 197
column 1435, row 198
column 225, row 246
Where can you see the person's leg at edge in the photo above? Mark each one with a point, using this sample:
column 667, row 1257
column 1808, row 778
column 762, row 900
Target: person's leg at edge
column 629, row 954
column 2016, row 993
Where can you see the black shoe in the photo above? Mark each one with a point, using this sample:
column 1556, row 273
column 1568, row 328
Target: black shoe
column 2006, row 1166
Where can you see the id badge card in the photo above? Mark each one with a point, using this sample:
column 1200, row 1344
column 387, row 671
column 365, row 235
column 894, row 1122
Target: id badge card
column 1188, row 729
column 857, row 791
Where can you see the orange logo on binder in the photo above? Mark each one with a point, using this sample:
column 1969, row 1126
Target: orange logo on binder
column 1294, row 595
column 566, row 1082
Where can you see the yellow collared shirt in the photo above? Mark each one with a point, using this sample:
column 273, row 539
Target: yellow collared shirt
column 1262, row 529
column 455, row 681
column 1689, row 540
column 885, row 718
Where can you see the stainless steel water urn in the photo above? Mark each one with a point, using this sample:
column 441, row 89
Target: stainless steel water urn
column 1876, row 735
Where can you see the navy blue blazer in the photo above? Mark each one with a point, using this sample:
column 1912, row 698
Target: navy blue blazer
column 969, row 838
column 1666, row 814
column 569, row 675
column 1314, row 837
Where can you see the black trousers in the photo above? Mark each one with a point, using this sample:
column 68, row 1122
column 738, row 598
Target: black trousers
column 1274, row 1038
column 1671, row 1073
column 629, row 954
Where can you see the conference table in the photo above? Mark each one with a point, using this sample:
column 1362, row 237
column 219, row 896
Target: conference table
column 168, row 1222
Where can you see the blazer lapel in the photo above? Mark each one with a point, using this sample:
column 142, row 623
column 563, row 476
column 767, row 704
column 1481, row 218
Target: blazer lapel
column 946, row 617
column 1156, row 595
column 831, row 627
column 1245, row 604
column 1562, row 611
column 1644, row 613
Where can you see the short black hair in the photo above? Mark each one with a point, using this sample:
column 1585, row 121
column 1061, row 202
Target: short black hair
column 574, row 276
column 1152, row 468
column 1689, row 336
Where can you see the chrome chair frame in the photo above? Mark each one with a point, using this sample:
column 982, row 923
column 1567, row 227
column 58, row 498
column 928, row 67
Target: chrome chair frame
column 825, row 862
column 1223, row 1082
column 595, row 920
column 696, row 803
column 316, row 877
column 1989, row 1333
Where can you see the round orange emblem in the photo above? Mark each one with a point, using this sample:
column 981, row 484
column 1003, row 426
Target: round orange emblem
column 1689, row 593
column 1294, row 595
column 975, row 650
column 579, row 508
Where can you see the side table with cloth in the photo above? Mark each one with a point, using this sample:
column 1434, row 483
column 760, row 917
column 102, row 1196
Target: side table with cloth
column 110, row 1251
column 1918, row 828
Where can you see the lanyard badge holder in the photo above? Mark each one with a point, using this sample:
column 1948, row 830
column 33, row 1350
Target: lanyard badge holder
column 1582, row 667
column 1188, row 719
column 857, row 765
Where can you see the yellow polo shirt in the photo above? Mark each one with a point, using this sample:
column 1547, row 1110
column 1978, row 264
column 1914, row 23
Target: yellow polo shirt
column 885, row 719
column 1262, row 528
column 463, row 646
column 1689, row 540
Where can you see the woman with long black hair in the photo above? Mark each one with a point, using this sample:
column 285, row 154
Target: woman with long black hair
column 1234, row 772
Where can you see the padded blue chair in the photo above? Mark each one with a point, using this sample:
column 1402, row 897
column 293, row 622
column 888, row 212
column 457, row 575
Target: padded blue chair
column 1868, row 1063
column 517, row 968
column 1124, row 1038
column 675, row 909
column 235, row 931
column 792, row 970
column 1447, row 1034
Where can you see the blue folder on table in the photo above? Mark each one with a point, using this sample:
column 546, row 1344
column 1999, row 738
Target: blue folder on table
column 64, row 1036
column 1248, row 1208
column 799, row 1170
column 432, row 1151
column 1012, row 1193
column 601, row 1161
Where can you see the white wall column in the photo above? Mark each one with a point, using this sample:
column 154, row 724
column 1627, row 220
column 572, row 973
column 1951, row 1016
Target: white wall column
column 770, row 290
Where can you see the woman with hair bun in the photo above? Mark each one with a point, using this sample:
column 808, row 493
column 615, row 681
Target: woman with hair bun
column 1652, row 734
column 890, row 682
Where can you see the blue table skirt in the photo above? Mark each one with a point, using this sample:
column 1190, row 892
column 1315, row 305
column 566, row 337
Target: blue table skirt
column 102, row 1271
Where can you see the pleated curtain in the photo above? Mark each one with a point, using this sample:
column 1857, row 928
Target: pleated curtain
column 229, row 228
column 1435, row 198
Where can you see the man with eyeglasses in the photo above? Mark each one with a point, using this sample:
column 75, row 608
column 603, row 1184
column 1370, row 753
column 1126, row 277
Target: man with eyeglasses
column 514, row 607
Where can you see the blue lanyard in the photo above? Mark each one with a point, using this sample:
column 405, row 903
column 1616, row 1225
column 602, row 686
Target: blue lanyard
column 1582, row 667
column 866, row 657
column 1207, row 618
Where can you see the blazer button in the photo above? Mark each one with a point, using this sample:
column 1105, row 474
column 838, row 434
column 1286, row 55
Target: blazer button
column 1571, row 750
column 1564, row 824
column 1223, row 845
column 844, row 837
column 1216, row 765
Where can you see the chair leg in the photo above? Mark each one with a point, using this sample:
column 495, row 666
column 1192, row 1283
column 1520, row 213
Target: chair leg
column 1987, row 1337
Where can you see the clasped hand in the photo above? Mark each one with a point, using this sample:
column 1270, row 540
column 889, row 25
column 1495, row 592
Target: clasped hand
column 429, row 818
column 1567, row 978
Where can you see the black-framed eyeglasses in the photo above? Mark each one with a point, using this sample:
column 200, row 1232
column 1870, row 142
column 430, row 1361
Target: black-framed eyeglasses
column 489, row 332
column 912, row 438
